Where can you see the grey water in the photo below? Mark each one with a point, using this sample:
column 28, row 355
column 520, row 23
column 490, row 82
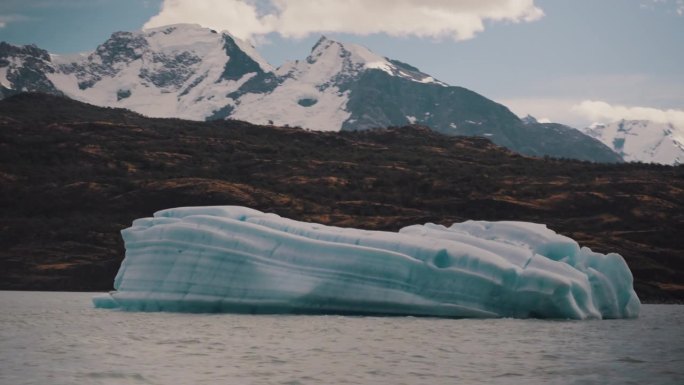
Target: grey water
column 59, row 338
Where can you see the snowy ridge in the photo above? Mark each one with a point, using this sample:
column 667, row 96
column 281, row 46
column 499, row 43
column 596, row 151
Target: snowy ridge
column 641, row 140
column 325, row 63
column 235, row 259
column 333, row 62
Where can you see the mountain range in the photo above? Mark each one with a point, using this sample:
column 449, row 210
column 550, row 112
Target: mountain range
column 190, row 72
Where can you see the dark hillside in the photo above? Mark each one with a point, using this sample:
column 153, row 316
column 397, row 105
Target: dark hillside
column 73, row 175
column 382, row 100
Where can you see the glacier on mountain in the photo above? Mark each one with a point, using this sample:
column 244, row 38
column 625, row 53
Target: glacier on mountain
column 236, row 259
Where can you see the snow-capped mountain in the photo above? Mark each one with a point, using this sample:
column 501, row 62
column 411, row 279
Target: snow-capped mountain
column 174, row 71
column 314, row 93
column 177, row 71
column 191, row 72
column 642, row 140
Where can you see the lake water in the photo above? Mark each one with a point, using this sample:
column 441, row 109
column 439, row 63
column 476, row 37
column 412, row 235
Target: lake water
column 59, row 338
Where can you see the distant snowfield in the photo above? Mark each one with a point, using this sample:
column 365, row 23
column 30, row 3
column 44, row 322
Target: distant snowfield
column 642, row 141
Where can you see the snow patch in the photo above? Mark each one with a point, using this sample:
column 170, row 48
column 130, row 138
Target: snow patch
column 3, row 78
column 282, row 108
column 381, row 65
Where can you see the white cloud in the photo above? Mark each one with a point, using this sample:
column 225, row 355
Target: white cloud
column 14, row 5
column 6, row 19
column 557, row 110
column 669, row 6
column 603, row 112
column 238, row 17
column 458, row 20
column 578, row 113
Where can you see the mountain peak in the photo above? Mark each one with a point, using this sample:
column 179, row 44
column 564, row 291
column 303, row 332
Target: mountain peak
column 529, row 119
column 358, row 54
column 7, row 49
column 321, row 41
column 352, row 59
column 169, row 28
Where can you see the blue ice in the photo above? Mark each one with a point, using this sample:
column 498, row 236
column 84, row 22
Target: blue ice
column 236, row 259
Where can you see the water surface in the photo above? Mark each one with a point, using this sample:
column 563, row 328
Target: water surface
column 59, row 338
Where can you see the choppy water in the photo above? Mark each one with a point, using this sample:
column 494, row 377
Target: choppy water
column 58, row 338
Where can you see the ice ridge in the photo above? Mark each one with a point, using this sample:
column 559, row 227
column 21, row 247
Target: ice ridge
column 236, row 259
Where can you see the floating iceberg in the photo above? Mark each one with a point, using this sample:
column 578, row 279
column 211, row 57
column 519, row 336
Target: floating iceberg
column 236, row 259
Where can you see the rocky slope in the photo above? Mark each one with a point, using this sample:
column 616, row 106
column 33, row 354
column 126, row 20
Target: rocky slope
column 73, row 175
column 190, row 72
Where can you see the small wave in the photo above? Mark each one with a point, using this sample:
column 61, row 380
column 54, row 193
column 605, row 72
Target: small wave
column 630, row 360
column 137, row 377
column 509, row 374
column 183, row 341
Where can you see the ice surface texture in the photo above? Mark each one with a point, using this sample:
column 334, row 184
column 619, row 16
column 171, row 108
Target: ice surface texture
column 235, row 259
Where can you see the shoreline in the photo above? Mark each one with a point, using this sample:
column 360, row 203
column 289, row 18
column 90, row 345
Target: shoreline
column 649, row 301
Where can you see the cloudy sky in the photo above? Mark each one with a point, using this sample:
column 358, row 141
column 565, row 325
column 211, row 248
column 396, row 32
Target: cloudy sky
column 570, row 61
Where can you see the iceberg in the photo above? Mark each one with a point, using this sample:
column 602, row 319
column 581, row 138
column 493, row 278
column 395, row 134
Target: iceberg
column 240, row 260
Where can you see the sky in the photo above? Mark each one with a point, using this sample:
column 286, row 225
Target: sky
column 569, row 61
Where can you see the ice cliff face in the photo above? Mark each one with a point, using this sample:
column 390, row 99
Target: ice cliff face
column 190, row 72
column 642, row 140
column 235, row 259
